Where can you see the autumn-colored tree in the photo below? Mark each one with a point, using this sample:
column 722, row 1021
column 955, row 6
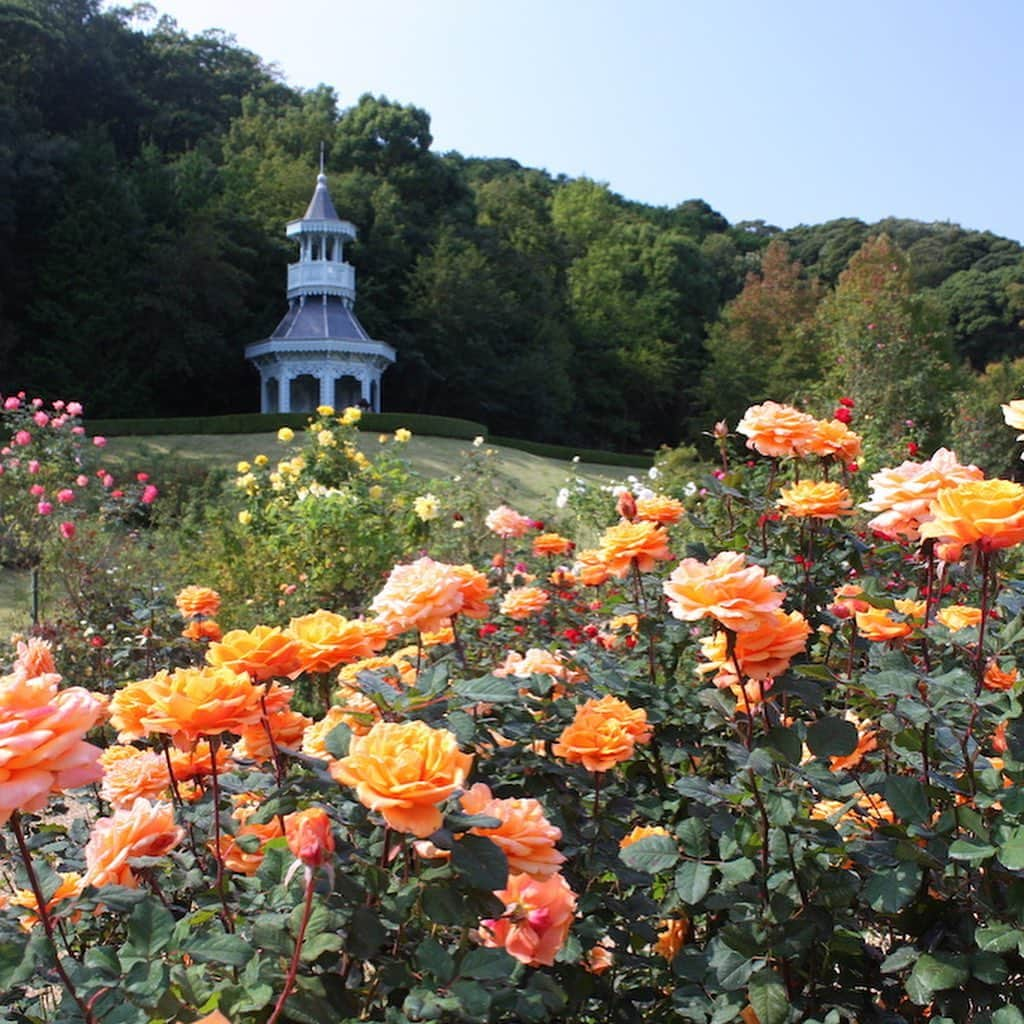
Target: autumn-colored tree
column 762, row 347
column 888, row 348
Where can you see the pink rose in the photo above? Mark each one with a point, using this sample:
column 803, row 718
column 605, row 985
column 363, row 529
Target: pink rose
column 33, row 466
column 67, row 530
column 82, row 480
column 78, row 431
column 142, row 477
column 149, row 494
column 74, row 409
column 22, row 437
column 99, row 441
column 65, row 495
column 41, row 418
column 59, row 404
column 12, row 403
column 44, row 508
column 37, row 490
column 37, row 403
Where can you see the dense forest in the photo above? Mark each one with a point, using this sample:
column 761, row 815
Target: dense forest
column 146, row 176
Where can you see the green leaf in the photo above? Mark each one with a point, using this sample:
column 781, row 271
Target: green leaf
column 899, row 959
column 970, row 850
column 693, row 879
column 150, row 926
column 486, row 964
column 651, row 854
column 732, row 969
column 907, row 798
column 1011, row 851
column 891, row 889
column 832, row 737
column 767, row 995
column 933, row 973
column 482, row 862
column 464, row 822
column 232, row 950
column 786, row 742
column 337, row 740
column 488, row 689
column 1008, row 1015
column 365, row 934
column 433, row 958
column 997, row 937
column 989, row 968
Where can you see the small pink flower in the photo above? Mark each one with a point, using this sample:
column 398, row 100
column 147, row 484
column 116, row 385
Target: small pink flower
column 65, row 495
column 149, row 494
column 117, row 494
column 78, row 431
column 107, row 480
column 99, row 441
column 58, row 421
column 44, row 508
column 22, row 437
column 59, row 404
column 37, row 490
column 41, row 418
column 37, row 403
column 67, row 530
column 81, row 480
column 142, row 477
column 74, row 409
column 33, row 466
column 12, row 403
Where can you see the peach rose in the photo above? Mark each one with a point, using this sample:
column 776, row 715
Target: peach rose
column 551, row 544
column 42, row 750
column 761, row 653
column 523, row 602
column 989, row 513
column 203, row 629
column 263, row 652
column 538, row 916
column 71, row 886
column 326, row 639
column 877, row 623
column 34, row 658
column 726, row 589
column 525, row 834
column 143, row 830
column 309, row 836
column 958, row 616
column 816, row 499
column 642, row 832
column 996, row 679
column 130, row 773
column 476, row 592
column 902, row 496
column 602, row 734
column 195, row 600
column 187, row 704
column 404, row 770
column 777, row 430
column 590, row 568
column 642, row 542
column 833, row 439
column 599, row 958
column 287, row 727
column 236, row 857
column 423, row 595
column 316, row 734
column 660, row 509
column 507, row 523
column 538, row 662
column 672, row 937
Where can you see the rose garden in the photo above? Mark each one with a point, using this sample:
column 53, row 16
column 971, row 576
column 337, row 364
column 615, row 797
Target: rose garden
column 348, row 747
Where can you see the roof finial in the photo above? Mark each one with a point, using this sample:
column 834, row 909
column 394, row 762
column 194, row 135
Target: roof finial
column 321, row 156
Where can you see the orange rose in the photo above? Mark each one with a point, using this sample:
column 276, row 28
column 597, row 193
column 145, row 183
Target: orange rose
column 35, row 658
column 996, row 679
column 42, row 750
column 316, row 734
column 551, row 544
column 902, row 496
column 590, row 568
column 423, row 595
column 263, row 652
column 143, row 830
column 602, row 734
column 660, row 509
column 525, row 834
column 187, row 704
column 877, row 623
column 325, row 640
column 737, row 595
column 71, row 886
column 476, row 592
column 958, row 616
column 599, row 959
column 538, row 662
column 130, row 773
column 404, row 770
column 202, row 629
column 288, row 728
column 816, row 499
column 538, row 916
column 192, row 764
column 240, row 860
column 762, row 653
column 642, row 832
column 777, row 430
column 672, row 937
column 522, row 602
column 642, row 542
column 309, row 836
column 833, row 439
column 507, row 523
column 989, row 513
column 195, row 600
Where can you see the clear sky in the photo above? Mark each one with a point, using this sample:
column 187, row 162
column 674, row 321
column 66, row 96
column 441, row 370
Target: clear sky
column 791, row 112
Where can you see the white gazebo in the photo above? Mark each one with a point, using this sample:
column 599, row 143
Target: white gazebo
column 319, row 353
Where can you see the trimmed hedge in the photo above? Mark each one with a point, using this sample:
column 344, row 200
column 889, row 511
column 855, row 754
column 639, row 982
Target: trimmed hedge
column 256, row 423
column 561, row 451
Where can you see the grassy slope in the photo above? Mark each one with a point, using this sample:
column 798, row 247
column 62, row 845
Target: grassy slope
column 530, row 482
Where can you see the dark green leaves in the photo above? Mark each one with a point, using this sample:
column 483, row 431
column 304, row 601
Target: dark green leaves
column 651, row 854
column 832, row 737
column 481, row 862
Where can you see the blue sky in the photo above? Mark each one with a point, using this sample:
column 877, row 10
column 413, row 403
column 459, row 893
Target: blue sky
column 792, row 112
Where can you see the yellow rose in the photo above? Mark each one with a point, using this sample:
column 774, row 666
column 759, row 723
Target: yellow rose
column 402, row 435
column 286, row 434
column 245, row 517
column 243, row 467
column 351, row 416
column 325, row 410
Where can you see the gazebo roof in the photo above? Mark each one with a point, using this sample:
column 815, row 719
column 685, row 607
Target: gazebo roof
column 327, row 317
column 320, row 206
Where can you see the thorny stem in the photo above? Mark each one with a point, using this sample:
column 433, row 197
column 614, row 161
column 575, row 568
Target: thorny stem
column 229, row 923
column 765, row 826
column 293, row 967
column 641, row 603
column 44, row 917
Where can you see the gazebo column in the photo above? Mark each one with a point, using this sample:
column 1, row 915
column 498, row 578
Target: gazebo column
column 326, row 380
column 284, row 393
column 364, row 390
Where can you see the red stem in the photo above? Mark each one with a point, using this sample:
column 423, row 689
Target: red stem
column 293, row 967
